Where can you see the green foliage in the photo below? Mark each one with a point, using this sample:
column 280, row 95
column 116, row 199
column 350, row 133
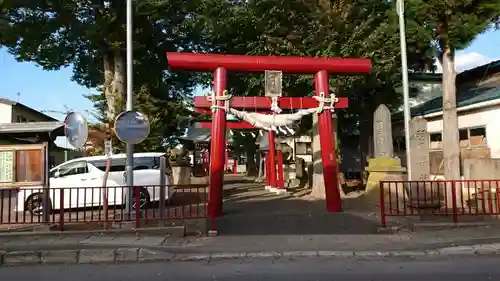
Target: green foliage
column 455, row 22
column 364, row 28
column 79, row 33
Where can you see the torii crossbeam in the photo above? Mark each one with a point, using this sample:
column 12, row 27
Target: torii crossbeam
column 220, row 64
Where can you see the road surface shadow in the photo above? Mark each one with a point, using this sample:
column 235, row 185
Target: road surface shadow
column 251, row 210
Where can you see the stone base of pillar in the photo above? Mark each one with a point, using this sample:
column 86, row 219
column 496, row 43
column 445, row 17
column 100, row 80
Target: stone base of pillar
column 278, row 191
column 380, row 169
column 213, row 233
column 181, row 175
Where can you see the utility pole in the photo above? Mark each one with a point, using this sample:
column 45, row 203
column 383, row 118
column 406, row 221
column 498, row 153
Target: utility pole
column 406, row 91
column 129, row 168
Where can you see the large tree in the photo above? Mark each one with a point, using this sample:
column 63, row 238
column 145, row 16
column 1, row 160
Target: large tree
column 454, row 24
column 365, row 28
column 89, row 35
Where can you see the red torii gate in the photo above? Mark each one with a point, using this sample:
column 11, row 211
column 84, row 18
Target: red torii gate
column 220, row 64
column 274, row 178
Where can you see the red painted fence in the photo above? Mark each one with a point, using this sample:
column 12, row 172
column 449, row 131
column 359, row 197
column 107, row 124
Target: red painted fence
column 86, row 205
column 453, row 199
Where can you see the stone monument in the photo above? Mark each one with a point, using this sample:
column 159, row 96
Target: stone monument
column 420, row 191
column 289, row 173
column 419, row 148
column 383, row 166
column 181, row 168
column 382, row 132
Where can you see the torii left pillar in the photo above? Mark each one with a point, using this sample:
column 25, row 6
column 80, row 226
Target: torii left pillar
column 319, row 66
column 217, row 147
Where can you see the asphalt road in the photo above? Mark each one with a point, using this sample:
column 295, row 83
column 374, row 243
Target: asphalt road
column 462, row 269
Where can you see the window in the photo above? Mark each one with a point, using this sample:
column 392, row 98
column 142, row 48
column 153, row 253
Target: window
column 468, row 137
column 118, row 165
column 477, row 136
column 21, row 119
column 436, row 140
column 75, row 168
column 29, row 165
column 141, row 168
column 112, row 168
column 463, row 136
column 144, row 161
column 472, row 137
column 436, row 137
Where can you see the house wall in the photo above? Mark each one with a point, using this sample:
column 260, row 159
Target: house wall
column 486, row 117
column 17, row 114
column 5, row 113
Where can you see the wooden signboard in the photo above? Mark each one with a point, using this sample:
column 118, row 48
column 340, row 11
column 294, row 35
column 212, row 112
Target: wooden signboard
column 22, row 165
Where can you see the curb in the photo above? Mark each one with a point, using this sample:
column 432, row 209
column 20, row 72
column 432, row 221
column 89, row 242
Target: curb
column 130, row 255
column 175, row 231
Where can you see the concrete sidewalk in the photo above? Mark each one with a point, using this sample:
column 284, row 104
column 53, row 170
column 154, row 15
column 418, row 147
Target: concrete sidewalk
column 149, row 254
column 255, row 243
column 63, row 248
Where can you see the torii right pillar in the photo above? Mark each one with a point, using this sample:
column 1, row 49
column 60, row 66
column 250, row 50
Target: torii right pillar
column 327, row 142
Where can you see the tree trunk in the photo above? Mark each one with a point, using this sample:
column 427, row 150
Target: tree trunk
column 114, row 92
column 105, row 192
column 114, row 84
column 109, row 65
column 318, row 183
column 340, row 174
column 250, row 155
column 451, row 145
column 258, row 160
column 120, row 76
column 365, row 143
column 262, row 168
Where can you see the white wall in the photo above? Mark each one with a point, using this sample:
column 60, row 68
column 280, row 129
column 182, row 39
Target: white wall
column 5, row 113
column 488, row 117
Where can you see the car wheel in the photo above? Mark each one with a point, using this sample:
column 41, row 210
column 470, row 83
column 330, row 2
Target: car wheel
column 35, row 204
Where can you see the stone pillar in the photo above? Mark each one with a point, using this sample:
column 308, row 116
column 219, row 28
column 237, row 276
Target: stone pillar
column 382, row 132
column 383, row 166
column 421, row 192
column 419, row 148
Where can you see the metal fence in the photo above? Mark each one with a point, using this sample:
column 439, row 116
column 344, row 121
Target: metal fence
column 73, row 205
column 455, row 199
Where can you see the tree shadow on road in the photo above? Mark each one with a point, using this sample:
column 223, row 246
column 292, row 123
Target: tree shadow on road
column 250, row 210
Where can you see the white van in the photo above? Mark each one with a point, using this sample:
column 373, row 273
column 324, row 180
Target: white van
column 82, row 178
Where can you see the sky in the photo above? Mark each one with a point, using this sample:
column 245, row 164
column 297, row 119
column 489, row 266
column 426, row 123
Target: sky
column 54, row 91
